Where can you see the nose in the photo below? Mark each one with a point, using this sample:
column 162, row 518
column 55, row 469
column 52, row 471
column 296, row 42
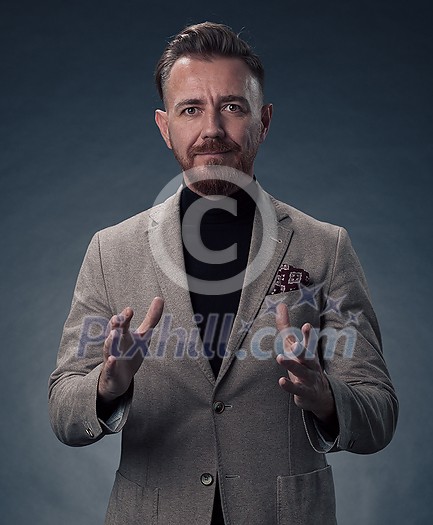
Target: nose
column 212, row 126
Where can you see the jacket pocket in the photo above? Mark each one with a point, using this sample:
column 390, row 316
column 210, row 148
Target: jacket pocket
column 306, row 499
column 131, row 503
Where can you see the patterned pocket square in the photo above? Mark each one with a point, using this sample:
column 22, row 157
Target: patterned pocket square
column 289, row 278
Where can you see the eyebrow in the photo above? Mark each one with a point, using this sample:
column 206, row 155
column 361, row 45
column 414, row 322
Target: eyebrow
column 200, row 102
column 235, row 98
column 189, row 102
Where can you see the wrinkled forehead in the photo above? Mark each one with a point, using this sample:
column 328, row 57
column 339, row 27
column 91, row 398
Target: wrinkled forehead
column 199, row 77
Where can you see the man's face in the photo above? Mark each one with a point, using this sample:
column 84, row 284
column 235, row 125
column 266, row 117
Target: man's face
column 214, row 114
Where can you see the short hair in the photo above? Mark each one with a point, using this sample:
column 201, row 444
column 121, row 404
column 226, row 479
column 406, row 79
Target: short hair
column 204, row 41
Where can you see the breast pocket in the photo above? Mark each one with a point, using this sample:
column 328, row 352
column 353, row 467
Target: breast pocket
column 302, row 309
column 306, row 499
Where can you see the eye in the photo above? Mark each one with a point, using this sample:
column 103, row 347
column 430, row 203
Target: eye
column 190, row 111
column 233, row 108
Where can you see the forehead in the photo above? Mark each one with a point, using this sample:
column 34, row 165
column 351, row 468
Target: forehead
column 193, row 77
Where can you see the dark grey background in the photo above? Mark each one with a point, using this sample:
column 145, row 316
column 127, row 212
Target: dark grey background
column 351, row 143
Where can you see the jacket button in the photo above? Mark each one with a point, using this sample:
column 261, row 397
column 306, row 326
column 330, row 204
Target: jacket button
column 206, row 479
column 218, row 407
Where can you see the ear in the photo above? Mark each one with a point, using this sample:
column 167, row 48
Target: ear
column 266, row 120
column 161, row 119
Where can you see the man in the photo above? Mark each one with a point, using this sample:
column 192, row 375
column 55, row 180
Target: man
column 258, row 350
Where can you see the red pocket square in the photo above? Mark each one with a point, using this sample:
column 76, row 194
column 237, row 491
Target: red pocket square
column 289, row 278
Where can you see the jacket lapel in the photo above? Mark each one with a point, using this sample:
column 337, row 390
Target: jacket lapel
column 270, row 240
column 167, row 257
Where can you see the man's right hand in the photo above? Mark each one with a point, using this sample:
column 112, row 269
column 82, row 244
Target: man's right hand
column 117, row 373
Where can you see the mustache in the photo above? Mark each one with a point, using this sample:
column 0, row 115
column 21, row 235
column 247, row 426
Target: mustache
column 215, row 146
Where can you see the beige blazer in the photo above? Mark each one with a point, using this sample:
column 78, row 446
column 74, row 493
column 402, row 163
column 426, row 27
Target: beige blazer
column 181, row 427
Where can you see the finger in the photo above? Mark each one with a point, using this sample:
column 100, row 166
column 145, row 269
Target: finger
column 283, row 322
column 282, row 317
column 296, row 389
column 109, row 367
column 153, row 315
column 126, row 316
column 303, row 356
column 299, row 370
column 122, row 320
column 112, row 344
column 308, row 356
column 125, row 319
column 306, row 329
column 107, row 346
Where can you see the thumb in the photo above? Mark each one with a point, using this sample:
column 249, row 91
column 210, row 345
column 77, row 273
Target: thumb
column 153, row 315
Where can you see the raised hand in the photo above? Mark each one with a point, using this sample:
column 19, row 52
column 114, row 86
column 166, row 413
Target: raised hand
column 306, row 379
column 118, row 369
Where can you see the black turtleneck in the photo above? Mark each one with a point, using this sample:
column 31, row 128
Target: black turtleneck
column 219, row 229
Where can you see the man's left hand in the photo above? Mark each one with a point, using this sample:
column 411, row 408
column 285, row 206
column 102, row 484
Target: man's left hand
column 306, row 379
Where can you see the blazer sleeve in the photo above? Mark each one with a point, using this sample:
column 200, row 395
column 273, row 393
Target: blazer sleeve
column 352, row 357
column 73, row 384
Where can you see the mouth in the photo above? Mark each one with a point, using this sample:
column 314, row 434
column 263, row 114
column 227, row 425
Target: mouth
column 213, row 152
